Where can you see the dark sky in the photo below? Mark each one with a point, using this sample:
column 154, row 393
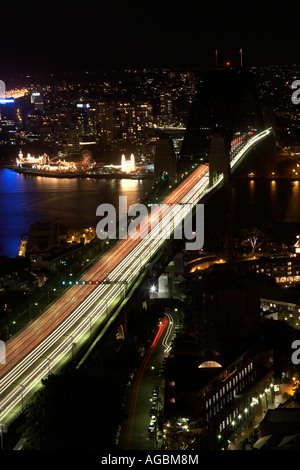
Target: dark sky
column 53, row 36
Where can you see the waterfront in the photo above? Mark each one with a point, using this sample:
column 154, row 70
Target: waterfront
column 258, row 200
column 25, row 200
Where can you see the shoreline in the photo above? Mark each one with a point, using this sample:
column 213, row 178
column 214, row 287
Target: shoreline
column 79, row 175
column 270, row 178
column 131, row 176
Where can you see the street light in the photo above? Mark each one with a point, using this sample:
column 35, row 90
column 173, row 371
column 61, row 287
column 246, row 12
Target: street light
column 73, row 345
column 90, row 322
column 47, row 359
column 22, row 388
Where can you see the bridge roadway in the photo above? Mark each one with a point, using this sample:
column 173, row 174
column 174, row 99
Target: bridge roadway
column 46, row 344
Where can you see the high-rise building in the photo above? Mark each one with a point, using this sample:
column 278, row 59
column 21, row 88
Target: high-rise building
column 122, row 120
column 72, row 138
column 8, row 120
column 144, row 116
column 166, row 108
column 104, row 121
column 37, row 100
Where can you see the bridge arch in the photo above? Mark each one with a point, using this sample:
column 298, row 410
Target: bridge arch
column 226, row 104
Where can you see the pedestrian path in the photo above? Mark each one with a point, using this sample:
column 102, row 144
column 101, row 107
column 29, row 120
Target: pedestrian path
column 258, row 417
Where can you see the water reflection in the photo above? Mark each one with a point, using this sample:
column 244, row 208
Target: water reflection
column 293, row 208
column 251, row 191
column 25, row 200
column 273, row 191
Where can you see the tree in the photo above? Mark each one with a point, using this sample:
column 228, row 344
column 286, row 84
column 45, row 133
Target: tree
column 81, row 408
column 253, row 237
column 60, row 417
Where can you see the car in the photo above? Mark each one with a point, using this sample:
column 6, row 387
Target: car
column 151, row 427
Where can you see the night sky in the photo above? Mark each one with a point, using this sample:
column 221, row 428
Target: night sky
column 57, row 36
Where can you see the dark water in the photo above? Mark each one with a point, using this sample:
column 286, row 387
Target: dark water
column 255, row 201
column 25, row 200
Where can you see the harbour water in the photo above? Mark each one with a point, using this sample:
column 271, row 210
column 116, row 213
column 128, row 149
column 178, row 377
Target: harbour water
column 25, row 200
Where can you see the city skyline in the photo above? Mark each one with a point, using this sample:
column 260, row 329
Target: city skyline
column 150, row 229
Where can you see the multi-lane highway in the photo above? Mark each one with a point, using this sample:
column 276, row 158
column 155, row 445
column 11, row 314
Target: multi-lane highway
column 48, row 342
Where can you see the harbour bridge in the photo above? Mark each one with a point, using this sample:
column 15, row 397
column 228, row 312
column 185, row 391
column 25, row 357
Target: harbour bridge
column 224, row 126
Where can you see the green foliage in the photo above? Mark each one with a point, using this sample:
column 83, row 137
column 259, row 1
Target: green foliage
column 251, row 439
column 81, row 408
column 192, row 291
column 60, row 415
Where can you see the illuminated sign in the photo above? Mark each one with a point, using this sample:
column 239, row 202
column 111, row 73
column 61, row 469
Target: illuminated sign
column 6, row 100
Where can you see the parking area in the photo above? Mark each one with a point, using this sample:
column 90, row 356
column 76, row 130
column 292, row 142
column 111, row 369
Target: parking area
column 146, row 431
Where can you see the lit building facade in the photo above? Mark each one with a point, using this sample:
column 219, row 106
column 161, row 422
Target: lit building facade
column 128, row 166
column 222, row 400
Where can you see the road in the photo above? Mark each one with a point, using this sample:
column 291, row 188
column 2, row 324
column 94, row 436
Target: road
column 47, row 343
column 135, row 434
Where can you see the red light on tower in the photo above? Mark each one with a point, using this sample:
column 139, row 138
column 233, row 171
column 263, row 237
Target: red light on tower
column 227, row 63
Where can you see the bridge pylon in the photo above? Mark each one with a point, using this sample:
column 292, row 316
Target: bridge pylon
column 219, row 159
column 219, row 162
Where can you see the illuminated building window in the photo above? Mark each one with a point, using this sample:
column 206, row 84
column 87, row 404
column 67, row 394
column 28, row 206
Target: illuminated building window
column 209, row 364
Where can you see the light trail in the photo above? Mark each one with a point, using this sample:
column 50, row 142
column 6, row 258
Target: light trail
column 137, row 383
column 45, row 343
column 166, row 340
